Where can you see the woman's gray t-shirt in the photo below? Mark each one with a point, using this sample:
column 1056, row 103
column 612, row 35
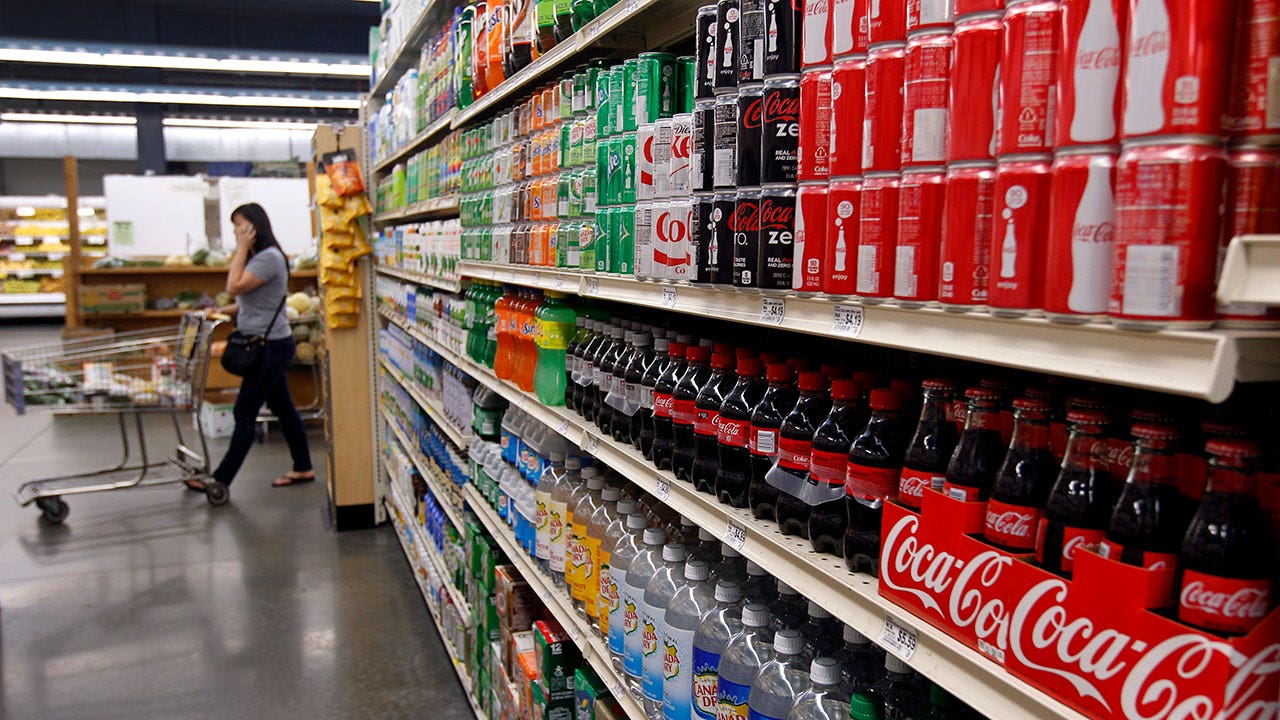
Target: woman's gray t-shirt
column 258, row 305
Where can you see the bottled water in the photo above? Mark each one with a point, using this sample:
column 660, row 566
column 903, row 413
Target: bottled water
column 781, row 680
column 666, row 580
column 824, row 699
column 639, row 573
column 741, row 661
column 721, row 623
column 622, row 551
column 684, row 615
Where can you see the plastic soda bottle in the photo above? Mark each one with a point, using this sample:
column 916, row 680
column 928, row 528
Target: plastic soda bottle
column 622, row 551
column 718, row 625
column 740, row 664
column 781, row 680
column 556, row 322
column 823, row 700
column 684, row 614
column 667, row 578
column 639, row 573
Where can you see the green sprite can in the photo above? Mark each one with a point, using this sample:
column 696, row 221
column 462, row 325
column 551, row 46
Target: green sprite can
column 622, row 248
column 617, row 99
column 565, row 151
column 627, row 175
column 463, row 44
column 605, row 112
column 614, row 180
column 655, row 87
column 626, row 109
column 607, row 222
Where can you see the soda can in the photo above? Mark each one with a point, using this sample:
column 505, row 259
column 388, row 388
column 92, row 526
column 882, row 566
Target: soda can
column 744, row 224
column 588, row 237
column 550, row 197
column 607, row 221
column 780, row 131
column 930, row 14
column 720, row 248
column 702, row 152
column 1255, row 95
column 965, row 253
column 882, row 122
column 751, row 32
column 576, row 206
column 915, row 267
column 705, row 46
column 777, row 239
column 844, row 26
column 815, row 38
column 551, row 250
column 681, row 148
column 886, row 22
column 702, row 231
column 1091, row 72
column 748, row 138
column 813, row 151
column 877, row 236
column 724, row 146
column 622, row 247
column 642, row 264
column 644, row 162
column 655, row 86
column 782, row 37
column 1082, row 219
column 627, row 115
column 1169, row 207
column 686, row 72
column 726, row 49
column 606, row 109
column 662, row 132
column 925, row 94
column 562, row 196
column 567, row 250
column 975, row 88
column 627, row 173
column 1018, row 235
column 609, row 164
column 1253, row 185
column 576, row 129
column 1028, row 72
column 1177, row 67
column 965, row 8
column 565, row 96
column 848, row 105
column 588, row 75
column 810, row 245
column 671, row 232
column 590, row 181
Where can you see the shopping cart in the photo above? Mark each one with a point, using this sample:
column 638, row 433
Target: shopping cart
column 128, row 375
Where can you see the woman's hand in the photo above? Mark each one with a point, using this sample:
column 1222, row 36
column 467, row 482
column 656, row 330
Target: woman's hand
column 246, row 234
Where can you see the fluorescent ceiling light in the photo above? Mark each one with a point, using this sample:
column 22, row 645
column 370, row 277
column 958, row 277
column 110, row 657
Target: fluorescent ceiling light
column 69, row 119
column 168, row 122
column 193, row 59
column 178, row 96
column 246, row 124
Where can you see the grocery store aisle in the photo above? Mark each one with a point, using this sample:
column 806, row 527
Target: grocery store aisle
column 149, row 604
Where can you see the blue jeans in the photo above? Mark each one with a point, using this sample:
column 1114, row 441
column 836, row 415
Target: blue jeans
column 267, row 383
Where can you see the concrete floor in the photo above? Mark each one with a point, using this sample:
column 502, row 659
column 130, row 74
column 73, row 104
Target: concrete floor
column 150, row 604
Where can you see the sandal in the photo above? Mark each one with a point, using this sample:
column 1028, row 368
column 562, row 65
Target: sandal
column 286, row 480
column 194, row 485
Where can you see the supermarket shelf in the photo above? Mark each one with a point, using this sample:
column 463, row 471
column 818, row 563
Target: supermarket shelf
column 405, row 56
column 445, row 491
column 22, row 305
column 443, row 123
column 435, row 207
column 594, row 649
column 182, row 270
column 449, row 284
column 428, row 552
column 32, row 272
column 1251, row 271
column 1203, row 364
column 430, row 406
column 852, row 597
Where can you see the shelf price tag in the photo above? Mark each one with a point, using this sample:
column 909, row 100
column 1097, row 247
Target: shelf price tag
column 25, row 274
column 563, row 427
column 17, row 256
column 593, row 286
column 668, row 297
column 735, row 536
column 772, row 310
column 590, row 444
column 55, row 257
column 662, row 491
column 557, row 282
column 898, row 638
column 632, row 6
column 847, row 320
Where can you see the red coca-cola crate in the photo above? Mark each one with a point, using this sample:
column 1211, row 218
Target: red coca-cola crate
column 1091, row 643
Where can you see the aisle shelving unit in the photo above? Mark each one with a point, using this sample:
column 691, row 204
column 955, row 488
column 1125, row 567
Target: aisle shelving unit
column 430, row 406
column 439, row 207
column 449, row 495
column 419, row 141
column 450, row 285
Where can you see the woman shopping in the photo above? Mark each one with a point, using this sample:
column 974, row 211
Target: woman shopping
column 259, row 279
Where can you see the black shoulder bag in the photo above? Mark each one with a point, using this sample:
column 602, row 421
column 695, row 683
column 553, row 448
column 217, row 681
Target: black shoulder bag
column 243, row 353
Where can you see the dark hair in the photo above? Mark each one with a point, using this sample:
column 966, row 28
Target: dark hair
column 264, row 238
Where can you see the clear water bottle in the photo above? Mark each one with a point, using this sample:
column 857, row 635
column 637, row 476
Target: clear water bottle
column 667, row 579
column 642, row 568
column 549, row 484
column 823, row 700
column 781, row 680
column 741, row 661
column 684, row 614
column 721, row 623
column 622, row 550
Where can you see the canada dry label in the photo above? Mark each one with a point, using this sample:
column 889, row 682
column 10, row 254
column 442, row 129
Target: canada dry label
column 677, row 665
column 732, row 700
column 633, row 657
column 706, row 666
column 556, row 533
column 650, row 646
column 617, row 610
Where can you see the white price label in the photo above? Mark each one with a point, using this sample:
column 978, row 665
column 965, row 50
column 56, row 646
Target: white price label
column 563, row 427
column 25, row 240
column 590, row 32
column 590, row 444
column 511, row 276
column 575, row 632
column 898, row 638
column 772, row 310
column 557, row 282
column 735, row 536
column 668, row 297
column 593, row 286
column 632, row 6
column 97, row 240
column 17, row 256
column 662, row 491
column 537, row 278
column 56, row 273
column 847, row 320
column 55, row 257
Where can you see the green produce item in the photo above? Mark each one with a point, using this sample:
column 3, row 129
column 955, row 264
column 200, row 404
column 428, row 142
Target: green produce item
column 200, row 256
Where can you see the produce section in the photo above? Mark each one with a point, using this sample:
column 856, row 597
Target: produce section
column 34, row 241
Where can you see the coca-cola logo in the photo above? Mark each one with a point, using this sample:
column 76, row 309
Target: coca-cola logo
column 776, row 216
column 749, row 116
column 1073, row 544
column 913, row 485
column 780, row 108
column 718, row 423
column 1151, row 689
column 729, row 428
column 1106, row 58
column 816, row 7
column 1153, row 43
column 670, row 228
column 664, row 401
column 745, row 217
column 1245, row 602
column 680, row 146
column 1010, row 523
column 1102, row 233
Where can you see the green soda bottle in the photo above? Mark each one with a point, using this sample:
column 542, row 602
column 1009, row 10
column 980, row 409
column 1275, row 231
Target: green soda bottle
column 556, row 324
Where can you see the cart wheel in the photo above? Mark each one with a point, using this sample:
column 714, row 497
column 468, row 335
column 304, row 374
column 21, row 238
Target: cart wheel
column 53, row 510
column 216, row 493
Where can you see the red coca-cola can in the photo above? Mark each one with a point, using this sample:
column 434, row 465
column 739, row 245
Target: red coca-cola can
column 1253, row 206
column 1028, row 72
column 920, row 201
column 814, row 161
column 972, row 7
column 886, row 22
column 1176, row 66
column 848, row 105
column 929, row 14
column 810, row 246
column 1169, row 212
column 844, row 27
column 975, row 88
column 964, row 266
column 1018, row 235
column 815, row 34
column 877, row 236
column 925, row 93
column 882, row 121
column 1082, row 219
column 1088, row 108
column 844, row 201
column 1254, row 102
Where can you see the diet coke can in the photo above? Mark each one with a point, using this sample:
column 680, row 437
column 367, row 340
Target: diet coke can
column 1169, row 203
column 744, row 224
column 972, row 7
column 844, row 26
column 780, row 133
column 671, row 238
column 815, row 40
column 644, row 162
column 751, row 42
column 724, row 142
column 1253, row 186
column 877, row 236
column 975, row 88
column 811, row 238
column 844, row 197
column 702, row 153
column 777, row 238
column 782, row 37
column 848, row 103
column 642, row 265
column 680, row 154
column 882, row 123
column 1088, row 107
column 965, row 254
column 1082, row 217
column 750, row 118
column 928, row 14
column 1028, row 72
column 702, row 231
column 705, row 64
column 1255, row 94
column 813, row 152
column 925, row 90
column 915, row 269
column 1177, row 60
column 1018, row 235
column 886, row 22
column 726, row 48
column 663, row 130
column 720, row 249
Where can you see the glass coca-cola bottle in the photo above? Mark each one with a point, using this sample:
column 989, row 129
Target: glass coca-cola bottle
column 1024, row 480
column 1079, row 506
column 828, row 462
column 871, row 478
column 642, row 423
column 684, row 410
column 733, row 475
column 929, row 452
column 1148, row 522
column 790, row 473
column 1228, row 554
column 980, row 450
column 706, row 421
column 663, row 402
column 766, row 421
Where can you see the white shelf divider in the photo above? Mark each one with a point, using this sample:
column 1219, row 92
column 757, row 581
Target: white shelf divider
column 1251, row 270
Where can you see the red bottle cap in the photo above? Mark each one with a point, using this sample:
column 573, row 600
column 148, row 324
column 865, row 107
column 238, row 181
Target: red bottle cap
column 1088, row 417
column 884, row 399
column 1155, row 431
column 721, row 361
column 1039, row 394
column 1232, row 448
column 676, row 349
column 699, row 354
column 1151, row 416
column 769, row 358
column 938, row 384
column 749, row 367
column 982, row 396
column 811, row 381
column 843, row 389
column 1032, row 405
column 1223, row 428
column 779, row 373
column 999, row 386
